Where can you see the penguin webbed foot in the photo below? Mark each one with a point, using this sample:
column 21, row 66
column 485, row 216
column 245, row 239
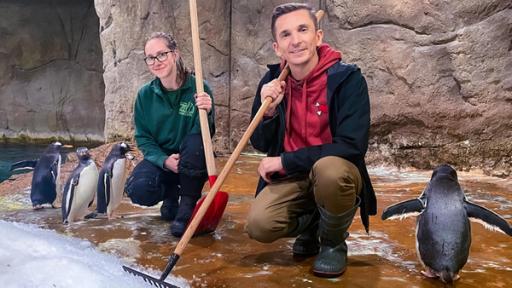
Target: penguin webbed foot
column 429, row 273
column 37, row 207
column 113, row 215
column 96, row 215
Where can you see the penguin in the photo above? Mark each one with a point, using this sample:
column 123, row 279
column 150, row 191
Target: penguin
column 443, row 231
column 23, row 165
column 80, row 188
column 46, row 177
column 112, row 180
column 7, row 169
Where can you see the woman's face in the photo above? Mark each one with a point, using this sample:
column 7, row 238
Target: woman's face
column 161, row 60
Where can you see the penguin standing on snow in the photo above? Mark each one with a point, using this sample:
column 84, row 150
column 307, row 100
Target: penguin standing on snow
column 443, row 231
column 80, row 188
column 112, row 179
column 46, row 177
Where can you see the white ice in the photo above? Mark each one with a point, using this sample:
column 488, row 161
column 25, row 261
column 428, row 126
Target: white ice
column 33, row 257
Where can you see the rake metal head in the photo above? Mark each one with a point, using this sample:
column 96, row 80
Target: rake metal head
column 150, row 279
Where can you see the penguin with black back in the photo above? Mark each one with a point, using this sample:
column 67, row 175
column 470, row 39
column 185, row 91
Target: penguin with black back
column 443, row 231
column 46, row 177
column 111, row 182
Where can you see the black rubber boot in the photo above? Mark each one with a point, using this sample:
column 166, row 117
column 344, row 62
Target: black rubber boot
column 332, row 259
column 187, row 205
column 193, row 175
column 308, row 244
column 169, row 208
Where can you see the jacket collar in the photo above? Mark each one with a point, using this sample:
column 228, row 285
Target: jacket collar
column 158, row 88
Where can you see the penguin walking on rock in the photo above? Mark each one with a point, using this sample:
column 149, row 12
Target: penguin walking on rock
column 112, row 180
column 80, row 188
column 46, row 177
column 443, row 231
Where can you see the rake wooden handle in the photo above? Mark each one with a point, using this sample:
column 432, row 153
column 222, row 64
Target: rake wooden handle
column 185, row 238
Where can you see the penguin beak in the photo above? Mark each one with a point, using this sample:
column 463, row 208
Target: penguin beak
column 129, row 156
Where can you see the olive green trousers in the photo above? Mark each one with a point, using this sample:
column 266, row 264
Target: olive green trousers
column 333, row 184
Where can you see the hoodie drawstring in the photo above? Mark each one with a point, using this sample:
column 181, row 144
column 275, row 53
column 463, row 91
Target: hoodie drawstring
column 305, row 101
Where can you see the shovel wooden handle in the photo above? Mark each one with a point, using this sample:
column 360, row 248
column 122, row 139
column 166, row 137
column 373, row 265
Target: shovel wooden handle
column 185, row 238
column 203, row 116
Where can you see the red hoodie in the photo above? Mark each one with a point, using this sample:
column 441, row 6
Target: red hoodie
column 307, row 114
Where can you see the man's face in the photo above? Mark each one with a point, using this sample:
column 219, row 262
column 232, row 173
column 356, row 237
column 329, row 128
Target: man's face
column 296, row 38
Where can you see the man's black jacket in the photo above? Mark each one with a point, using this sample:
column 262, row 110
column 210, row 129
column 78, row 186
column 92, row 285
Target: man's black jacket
column 349, row 121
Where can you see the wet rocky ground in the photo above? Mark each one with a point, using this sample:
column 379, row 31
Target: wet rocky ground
column 386, row 257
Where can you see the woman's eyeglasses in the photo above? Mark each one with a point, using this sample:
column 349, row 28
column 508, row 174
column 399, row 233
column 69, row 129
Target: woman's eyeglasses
column 150, row 60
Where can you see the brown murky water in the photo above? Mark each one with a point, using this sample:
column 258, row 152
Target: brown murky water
column 228, row 258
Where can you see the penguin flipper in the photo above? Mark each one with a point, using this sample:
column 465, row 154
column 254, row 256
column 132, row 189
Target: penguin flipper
column 69, row 194
column 25, row 164
column 90, row 203
column 486, row 217
column 55, row 171
column 403, row 209
column 67, row 199
column 103, row 193
column 108, row 185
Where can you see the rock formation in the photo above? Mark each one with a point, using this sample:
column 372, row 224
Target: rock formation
column 438, row 71
column 51, row 83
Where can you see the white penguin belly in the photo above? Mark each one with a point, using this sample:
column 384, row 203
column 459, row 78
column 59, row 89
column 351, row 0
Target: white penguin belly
column 84, row 193
column 117, row 185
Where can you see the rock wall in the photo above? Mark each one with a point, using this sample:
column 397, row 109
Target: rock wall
column 438, row 71
column 439, row 78
column 51, row 83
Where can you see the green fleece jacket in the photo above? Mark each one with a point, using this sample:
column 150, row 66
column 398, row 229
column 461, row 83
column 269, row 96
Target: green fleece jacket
column 163, row 118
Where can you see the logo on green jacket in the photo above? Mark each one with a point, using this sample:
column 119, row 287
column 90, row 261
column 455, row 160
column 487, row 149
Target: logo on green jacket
column 186, row 109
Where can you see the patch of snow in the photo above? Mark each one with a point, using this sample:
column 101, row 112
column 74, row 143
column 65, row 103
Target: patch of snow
column 33, row 257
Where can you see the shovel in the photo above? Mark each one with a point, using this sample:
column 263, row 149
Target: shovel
column 194, row 223
column 216, row 208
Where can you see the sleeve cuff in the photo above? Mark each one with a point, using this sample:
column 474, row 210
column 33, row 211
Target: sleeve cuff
column 284, row 161
column 161, row 161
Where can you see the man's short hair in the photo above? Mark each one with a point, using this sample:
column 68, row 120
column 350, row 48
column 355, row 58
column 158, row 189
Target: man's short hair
column 290, row 7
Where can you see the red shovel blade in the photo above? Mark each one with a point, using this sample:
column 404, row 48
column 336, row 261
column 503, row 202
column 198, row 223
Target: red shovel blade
column 214, row 213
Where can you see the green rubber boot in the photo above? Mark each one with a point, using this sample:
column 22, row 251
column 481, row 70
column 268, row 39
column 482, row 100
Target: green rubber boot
column 332, row 259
